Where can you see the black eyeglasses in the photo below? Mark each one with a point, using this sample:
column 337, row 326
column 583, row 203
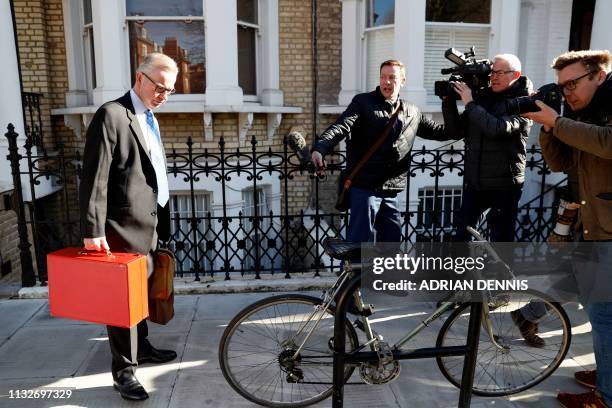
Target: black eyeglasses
column 498, row 73
column 158, row 87
column 571, row 84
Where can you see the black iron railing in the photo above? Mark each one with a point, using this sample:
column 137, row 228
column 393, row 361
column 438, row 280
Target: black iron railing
column 33, row 118
column 215, row 232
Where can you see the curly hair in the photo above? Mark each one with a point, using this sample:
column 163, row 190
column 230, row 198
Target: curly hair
column 593, row 60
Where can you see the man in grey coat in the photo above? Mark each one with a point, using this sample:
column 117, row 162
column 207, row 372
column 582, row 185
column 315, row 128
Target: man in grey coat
column 124, row 198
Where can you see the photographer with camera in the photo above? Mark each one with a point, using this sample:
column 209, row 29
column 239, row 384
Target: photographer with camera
column 495, row 147
column 380, row 129
column 582, row 139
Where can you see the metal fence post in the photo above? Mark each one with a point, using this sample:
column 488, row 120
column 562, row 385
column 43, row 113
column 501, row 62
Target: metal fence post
column 28, row 278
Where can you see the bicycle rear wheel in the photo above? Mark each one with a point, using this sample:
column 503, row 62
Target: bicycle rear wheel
column 257, row 348
column 519, row 366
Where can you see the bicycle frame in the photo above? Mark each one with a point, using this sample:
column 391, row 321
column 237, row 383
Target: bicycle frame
column 371, row 339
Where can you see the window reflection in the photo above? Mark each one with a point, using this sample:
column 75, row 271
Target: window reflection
column 247, row 11
column 380, row 12
column 247, row 60
column 87, row 11
column 164, row 8
column 184, row 42
column 459, row 11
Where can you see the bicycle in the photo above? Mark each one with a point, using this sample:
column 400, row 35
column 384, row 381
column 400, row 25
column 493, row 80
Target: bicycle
column 278, row 352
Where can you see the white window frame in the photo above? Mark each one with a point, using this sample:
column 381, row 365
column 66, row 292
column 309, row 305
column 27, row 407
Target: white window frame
column 113, row 74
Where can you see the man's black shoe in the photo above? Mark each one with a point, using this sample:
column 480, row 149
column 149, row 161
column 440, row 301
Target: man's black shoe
column 156, row 356
column 129, row 388
column 529, row 330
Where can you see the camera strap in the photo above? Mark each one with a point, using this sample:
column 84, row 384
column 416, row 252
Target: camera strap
column 383, row 135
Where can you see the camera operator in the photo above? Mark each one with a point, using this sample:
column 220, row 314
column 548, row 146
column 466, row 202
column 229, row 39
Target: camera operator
column 582, row 139
column 373, row 195
column 495, row 149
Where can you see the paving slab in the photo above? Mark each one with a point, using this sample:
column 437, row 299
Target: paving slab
column 46, row 351
column 215, row 307
column 40, row 351
column 14, row 314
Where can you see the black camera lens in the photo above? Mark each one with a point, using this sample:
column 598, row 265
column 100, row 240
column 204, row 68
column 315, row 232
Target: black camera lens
column 521, row 104
column 550, row 94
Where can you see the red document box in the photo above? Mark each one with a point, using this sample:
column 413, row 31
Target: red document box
column 98, row 288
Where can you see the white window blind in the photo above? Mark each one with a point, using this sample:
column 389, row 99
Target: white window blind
column 379, row 49
column 439, row 38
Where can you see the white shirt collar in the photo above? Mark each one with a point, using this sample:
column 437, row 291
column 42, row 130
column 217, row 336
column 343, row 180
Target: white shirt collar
column 139, row 107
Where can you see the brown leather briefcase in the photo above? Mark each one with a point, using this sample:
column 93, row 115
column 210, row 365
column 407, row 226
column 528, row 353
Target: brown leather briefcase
column 161, row 293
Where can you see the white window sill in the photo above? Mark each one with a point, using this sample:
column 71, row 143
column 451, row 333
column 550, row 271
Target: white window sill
column 78, row 117
column 5, row 186
column 190, row 107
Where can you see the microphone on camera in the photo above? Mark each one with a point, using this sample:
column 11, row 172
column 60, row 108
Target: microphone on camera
column 297, row 143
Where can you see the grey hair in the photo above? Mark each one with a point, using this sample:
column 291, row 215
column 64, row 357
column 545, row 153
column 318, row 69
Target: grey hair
column 157, row 60
column 512, row 60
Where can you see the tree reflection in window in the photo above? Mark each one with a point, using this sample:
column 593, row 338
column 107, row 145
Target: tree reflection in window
column 180, row 39
column 169, row 8
column 459, row 11
column 380, row 12
column 248, row 29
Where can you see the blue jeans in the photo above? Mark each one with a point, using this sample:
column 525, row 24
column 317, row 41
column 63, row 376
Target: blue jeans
column 600, row 316
column 372, row 211
column 534, row 311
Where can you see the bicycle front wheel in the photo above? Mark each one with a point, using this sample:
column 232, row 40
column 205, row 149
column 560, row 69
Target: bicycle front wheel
column 518, row 365
column 258, row 348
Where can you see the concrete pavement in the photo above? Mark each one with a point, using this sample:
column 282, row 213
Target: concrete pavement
column 39, row 351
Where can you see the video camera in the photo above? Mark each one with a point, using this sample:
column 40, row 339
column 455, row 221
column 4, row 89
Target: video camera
column 475, row 73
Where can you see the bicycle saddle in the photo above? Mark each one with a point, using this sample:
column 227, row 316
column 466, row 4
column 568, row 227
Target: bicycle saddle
column 341, row 249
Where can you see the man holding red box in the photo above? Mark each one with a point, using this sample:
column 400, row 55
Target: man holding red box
column 124, row 198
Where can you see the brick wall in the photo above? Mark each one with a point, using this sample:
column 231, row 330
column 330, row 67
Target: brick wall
column 40, row 34
column 329, row 32
column 296, row 81
column 9, row 239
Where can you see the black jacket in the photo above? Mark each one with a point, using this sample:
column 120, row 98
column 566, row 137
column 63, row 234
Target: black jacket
column 495, row 142
column 362, row 123
column 118, row 190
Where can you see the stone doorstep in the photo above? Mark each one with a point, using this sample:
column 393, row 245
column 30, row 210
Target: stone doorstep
column 183, row 287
